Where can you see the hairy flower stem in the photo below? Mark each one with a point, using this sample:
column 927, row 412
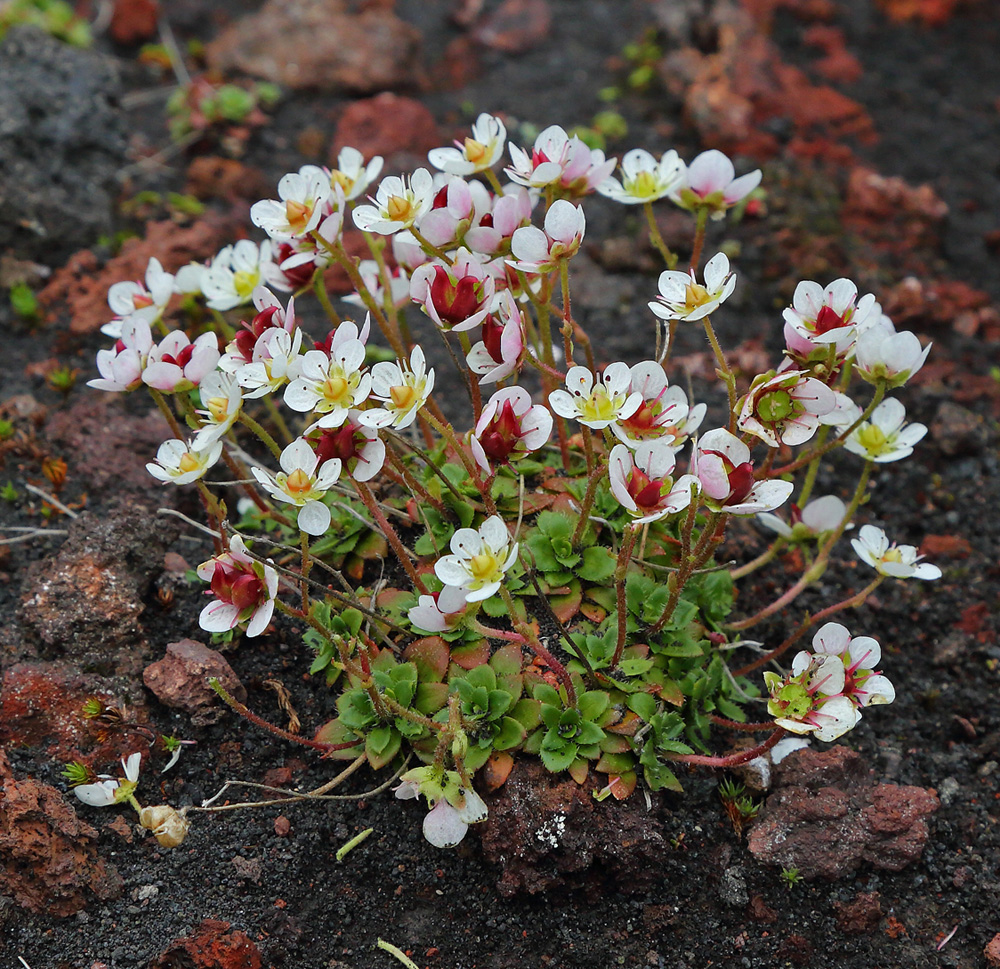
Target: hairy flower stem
column 732, row 760
column 429, row 461
column 849, row 603
column 415, row 487
column 810, row 479
column 624, row 556
column 761, row 560
column 168, row 413
column 390, row 533
column 306, row 566
column 656, row 237
column 725, row 372
column 737, row 725
column 222, row 325
column 429, row 247
column 595, row 472
column 699, row 238
column 490, row 633
column 535, row 645
column 691, row 563
column 568, row 324
column 471, row 467
column 269, row 442
column 257, row 721
column 319, row 288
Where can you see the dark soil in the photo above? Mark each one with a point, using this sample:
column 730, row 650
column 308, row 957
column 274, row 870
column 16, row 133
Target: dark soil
column 932, row 92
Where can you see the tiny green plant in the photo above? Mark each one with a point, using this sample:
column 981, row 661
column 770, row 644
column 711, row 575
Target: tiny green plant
column 549, row 577
column 55, row 17
column 790, row 877
column 24, row 303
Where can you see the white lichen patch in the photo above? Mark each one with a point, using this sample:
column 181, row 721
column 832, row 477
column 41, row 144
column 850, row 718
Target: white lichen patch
column 551, row 832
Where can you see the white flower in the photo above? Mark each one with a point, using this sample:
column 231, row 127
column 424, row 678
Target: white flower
column 303, row 482
column 509, row 427
column 722, row 464
column 557, row 159
column 898, row 561
column 398, row 203
column 109, row 791
column 882, row 354
column 176, row 364
column 439, row 612
column 643, row 178
column 709, row 183
column 359, row 448
column 457, row 297
column 445, row 825
column 831, row 315
column 236, row 272
column 144, row 300
column 819, row 517
column 402, row 390
column 885, row 437
column 244, row 591
column 222, row 399
column 642, row 482
column 352, row 175
column 663, row 416
column 596, row 401
column 683, row 298
column 121, row 367
column 475, row 154
column 331, row 384
column 536, row 251
column 182, row 463
column 860, row 655
column 810, row 698
column 501, row 349
column 276, row 361
column 371, row 276
column 303, row 196
column 479, row 559
column 785, row 408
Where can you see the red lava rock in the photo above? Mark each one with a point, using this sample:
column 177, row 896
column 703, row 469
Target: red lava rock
column 122, row 828
column 48, row 856
column 827, row 817
column 282, row 826
column 321, row 44
column 760, row 911
column 133, row 21
column 945, row 546
column 211, row 177
column 80, row 288
column 958, row 430
column 932, row 13
column 932, row 302
column 86, row 600
column 399, row 129
column 797, row 949
column 212, row 946
column 546, row 831
column 838, row 64
column 860, row 916
column 180, row 680
column 515, row 26
column 992, row 952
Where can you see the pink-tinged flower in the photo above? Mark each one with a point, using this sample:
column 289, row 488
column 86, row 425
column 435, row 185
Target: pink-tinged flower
column 819, row 517
column 709, row 183
column 492, row 234
column 682, row 297
column 176, row 364
column 308, row 253
column 331, row 383
column 642, row 482
column 121, row 367
column 863, row 684
column 509, row 427
column 270, row 315
column 885, row 437
column 144, row 299
column 479, row 559
column 358, row 448
column 438, row 612
column 501, row 350
column 303, row 196
column 444, row 827
column 371, row 275
column 643, row 178
column 276, row 360
column 236, row 272
column 107, row 790
column 810, row 698
column 402, row 389
column 845, row 412
column 831, row 315
column 181, row 463
column 785, row 408
column 536, row 251
column 663, row 416
column 457, row 297
column 452, row 211
column 244, row 591
column 597, row 401
column 352, row 176
column 897, row 561
column 883, row 354
column 722, row 464
column 302, row 482
column 556, row 159
column 397, row 204
column 222, row 400
column 475, row 154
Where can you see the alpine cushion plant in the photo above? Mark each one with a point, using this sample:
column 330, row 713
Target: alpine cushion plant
column 548, row 574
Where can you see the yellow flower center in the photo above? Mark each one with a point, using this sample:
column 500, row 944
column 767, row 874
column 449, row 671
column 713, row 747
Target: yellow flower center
column 475, row 151
column 598, row 407
column 644, row 185
column 484, row 566
column 402, row 396
column 189, row 462
column 695, row 295
column 872, row 438
column 245, row 282
column 336, row 390
column 297, row 215
column 218, row 407
column 298, row 483
column 892, row 555
column 399, row 209
column 337, row 177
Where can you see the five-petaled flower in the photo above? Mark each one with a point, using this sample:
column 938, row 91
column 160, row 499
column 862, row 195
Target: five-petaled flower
column 402, row 390
column 536, row 251
column 641, row 481
column 643, row 178
column 453, row 807
column 476, row 153
column 885, row 437
column 819, row 517
column 897, row 561
column 863, row 684
column 785, row 408
column 479, row 559
column 302, row 482
column 709, row 184
column 663, row 416
column 682, row 297
column 509, row 427
column 827, row 316
column 243, row 588
column 810, row 699
column 182, row 463
column 722, row 464
column 597, row 401
column 397, row 204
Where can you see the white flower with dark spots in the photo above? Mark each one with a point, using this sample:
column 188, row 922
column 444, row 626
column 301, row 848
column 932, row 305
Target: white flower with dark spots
column 597, row 401
column 682, row 297
column 479, row 559
column 897, row 561
column 886, row 436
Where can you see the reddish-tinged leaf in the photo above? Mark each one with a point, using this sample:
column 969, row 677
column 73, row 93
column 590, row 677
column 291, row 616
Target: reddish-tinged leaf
column 623, row 786
column 471, row 655
column 593, row 612
column 578, row 770
column 567, row 605
column 430, row 655
column 496, row 770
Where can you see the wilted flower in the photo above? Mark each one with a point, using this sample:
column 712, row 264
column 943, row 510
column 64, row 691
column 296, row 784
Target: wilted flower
column 509, row 427
column 683, row 298
column 641, row 481
column 302, row 482
column 897, row 561
column 475, row 154
column 168, row 825
column 810, row 699
column 182, row 463
column 439, row 612
column 397, row 204
column 785, row 408
column 244, row 591
column 107, row 790
column 597, row 401
column 454, row 807
column 643, row 178
column 709, row 183
column 722, row 464
column 885, row 437
column 479, row 559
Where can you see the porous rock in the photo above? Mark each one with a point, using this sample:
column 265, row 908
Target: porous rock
column 321, row 44
column 212, row 946
column 62, row 140
column 86, row 600
column 48, row 856
column 828, row 817
column 546, row 831
column 180, row 680
column 402, row 130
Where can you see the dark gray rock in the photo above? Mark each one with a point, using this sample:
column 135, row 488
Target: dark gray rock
column 62, row 140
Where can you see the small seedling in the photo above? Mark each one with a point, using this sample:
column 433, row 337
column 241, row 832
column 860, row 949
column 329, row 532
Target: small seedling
column 791, row 877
